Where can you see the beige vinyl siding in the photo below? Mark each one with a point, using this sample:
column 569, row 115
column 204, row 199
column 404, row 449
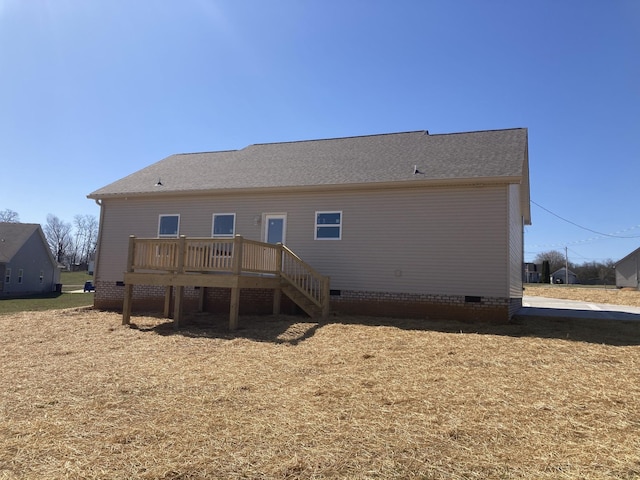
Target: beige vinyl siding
column 432, row 240
column 516, row 255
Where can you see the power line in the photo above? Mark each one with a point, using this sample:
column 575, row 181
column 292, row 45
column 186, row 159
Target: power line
column 585, row 228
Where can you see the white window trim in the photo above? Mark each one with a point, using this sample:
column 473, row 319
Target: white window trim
column 160, row 222
column 316, row 225
column 20, row 276
column 265, row 221
column 213, row 224
column 7, row 276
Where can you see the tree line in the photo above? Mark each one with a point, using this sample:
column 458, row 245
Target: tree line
column 588, row 273
column 71, row 243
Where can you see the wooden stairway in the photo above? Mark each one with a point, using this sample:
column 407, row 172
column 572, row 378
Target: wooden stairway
column 311, row 308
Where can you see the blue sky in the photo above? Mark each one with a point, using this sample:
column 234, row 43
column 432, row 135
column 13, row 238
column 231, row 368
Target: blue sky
column 93, row 90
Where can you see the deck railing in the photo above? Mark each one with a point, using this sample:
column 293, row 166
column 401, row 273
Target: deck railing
column 235, row 255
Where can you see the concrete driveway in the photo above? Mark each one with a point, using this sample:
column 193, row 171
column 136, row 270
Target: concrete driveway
column 557, row 308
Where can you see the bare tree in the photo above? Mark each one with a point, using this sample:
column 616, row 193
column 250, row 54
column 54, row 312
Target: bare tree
column 555, row 258
column 86, row 237
column 58, row 235
column 9, row 216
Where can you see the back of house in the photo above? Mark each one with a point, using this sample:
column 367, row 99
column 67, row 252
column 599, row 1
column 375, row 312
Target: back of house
column 405, row 224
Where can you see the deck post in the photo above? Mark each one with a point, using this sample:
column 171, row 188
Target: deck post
column 203, row 291
column 168, row 293
column 128, row 289
column 177, row 310
column 326, row 297
column 277, row 292
column 234, row 306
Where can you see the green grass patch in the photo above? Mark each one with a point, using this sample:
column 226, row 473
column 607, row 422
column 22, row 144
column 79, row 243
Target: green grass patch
column 54, row 301
column 74, row 280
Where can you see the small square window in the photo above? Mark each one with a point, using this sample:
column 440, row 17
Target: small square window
column 224, row 224
column 168, row 226
column 328, row 226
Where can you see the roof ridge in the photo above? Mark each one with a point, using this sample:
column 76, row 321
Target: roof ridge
column 338, row 138
column 208, row 151
column 480, row 131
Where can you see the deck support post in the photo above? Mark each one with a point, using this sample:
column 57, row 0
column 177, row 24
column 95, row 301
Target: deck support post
column 277, row 292
column 326, row 296
column 128, row 288
column 126, row 307
column 234, row 306
column 203, row 291
column 177, row 310
column 168, row 293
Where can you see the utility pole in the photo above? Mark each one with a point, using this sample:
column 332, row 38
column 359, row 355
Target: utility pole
column 566, row 266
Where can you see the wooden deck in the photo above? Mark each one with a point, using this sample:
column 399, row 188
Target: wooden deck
column 233, row 263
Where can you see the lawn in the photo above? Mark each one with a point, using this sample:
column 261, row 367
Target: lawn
column 40, row 303
column 286, row 398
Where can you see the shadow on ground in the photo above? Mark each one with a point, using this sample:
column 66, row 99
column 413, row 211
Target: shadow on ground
column 296, row 329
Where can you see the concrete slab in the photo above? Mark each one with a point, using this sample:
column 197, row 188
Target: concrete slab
column 559, row 308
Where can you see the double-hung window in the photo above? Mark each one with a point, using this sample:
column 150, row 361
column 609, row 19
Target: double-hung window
column 328, row 226
column 7, row 275
column 168, row 226
column 20, row 275
column 224, row 224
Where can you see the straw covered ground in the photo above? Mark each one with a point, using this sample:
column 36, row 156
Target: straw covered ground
column 82, row 397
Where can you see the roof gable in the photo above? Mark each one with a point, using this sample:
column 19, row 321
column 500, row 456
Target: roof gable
column 13, row 236
column 374, row 159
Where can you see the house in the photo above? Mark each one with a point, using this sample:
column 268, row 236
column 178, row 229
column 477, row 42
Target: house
column 532, row 273
column 404, row 224
column 628, row 270
column 27, row 266
column 563, row 275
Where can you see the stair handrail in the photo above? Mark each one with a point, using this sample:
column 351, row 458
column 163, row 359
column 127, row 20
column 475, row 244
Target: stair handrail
column 306, row 280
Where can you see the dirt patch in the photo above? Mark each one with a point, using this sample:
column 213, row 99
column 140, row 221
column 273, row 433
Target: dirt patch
column 285, row 398
column 610, row 295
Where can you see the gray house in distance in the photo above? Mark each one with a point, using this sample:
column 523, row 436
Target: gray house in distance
column 405, row 224
column 628, row 270
column 27, row 266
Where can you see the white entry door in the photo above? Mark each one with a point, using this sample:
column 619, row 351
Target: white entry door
column 275, row 227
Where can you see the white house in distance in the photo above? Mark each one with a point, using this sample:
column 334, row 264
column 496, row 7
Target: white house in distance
column 405, row 224
column 27, row 266
column 628, row 271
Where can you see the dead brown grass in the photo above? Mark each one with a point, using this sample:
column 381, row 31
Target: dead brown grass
column 83, row 397
column 611, row 295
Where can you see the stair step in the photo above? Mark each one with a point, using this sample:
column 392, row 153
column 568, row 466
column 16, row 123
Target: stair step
column 302, row 301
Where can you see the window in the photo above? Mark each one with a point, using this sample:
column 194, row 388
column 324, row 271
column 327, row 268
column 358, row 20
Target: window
column 224, row 224
column 168, row 226
column 328, row 226
column 20, row 275
column 41, row 276
column 7, row 275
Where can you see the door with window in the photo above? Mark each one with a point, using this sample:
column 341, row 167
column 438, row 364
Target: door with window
column 275, row 227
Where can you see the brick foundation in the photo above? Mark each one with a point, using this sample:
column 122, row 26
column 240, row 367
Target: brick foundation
column 110, row 296
column 405, row 305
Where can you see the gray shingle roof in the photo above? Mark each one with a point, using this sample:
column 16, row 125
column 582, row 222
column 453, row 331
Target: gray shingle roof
column 494, row 154
column 12, row 238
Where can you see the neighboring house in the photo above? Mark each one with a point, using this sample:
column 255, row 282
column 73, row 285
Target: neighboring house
column 628, row 270
column 532, row 273
column 404, row 224
column 563, row 276
column 27, row 266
